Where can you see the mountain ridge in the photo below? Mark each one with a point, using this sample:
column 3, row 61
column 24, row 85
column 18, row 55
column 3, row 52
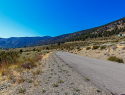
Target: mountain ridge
column 108, row 29
column 16, row 42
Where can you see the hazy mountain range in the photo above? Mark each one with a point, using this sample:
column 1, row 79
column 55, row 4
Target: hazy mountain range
column 15, row 42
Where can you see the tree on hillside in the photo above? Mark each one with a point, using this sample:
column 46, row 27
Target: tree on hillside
column 58, row 43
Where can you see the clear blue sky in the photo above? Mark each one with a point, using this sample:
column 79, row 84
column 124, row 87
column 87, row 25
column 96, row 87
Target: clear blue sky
column 19, row 18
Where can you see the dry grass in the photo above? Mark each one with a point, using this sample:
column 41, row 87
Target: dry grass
column 13, row 71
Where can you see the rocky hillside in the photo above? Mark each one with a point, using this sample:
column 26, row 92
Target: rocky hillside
column 107, row 30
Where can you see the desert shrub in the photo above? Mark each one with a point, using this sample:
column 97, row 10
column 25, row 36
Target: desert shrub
column 30, row 81
column 79, row 49
column 25, row 55
column 21, row 50
column 3, row 73
column 34, row 49
column 60, row 81
column 22, row 90
column 21, row 80
column 47, row 48
column 8, row 58
column 38, row 57
column 26, row 65
column 102, row 47
column 76, row 89
column 55, row 85
column 37, row 71
column 88, row 48
column 32, row 62
column 32, row 57
column 114, row 58
column 71, row 48
column 38, row 50
column 95, row 47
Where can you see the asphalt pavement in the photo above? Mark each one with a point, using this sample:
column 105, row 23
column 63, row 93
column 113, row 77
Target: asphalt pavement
column 107, row 75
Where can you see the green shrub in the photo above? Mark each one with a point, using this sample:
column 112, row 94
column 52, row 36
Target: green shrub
column 21, row 90
column 86, row 79
column 114, row 58
column 95, row 47
column 34, row 49
column 37, row 71
column 79, row 49
column 43, row 90
column 60, row 81
column 76, row 89
column 3, row 73
column 21, row 50
column 55, row 85
column 32, row 62
column 30, row 81
column 88, row 48
column 102, row 47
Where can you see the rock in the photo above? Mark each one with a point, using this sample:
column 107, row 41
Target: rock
column 123, row 48
column 9, row 84
column 105, row 53
column 97, row 52
column 108, row 54
column 26, row 65
column 13, row 81
column 114, row 47
column 112, row 54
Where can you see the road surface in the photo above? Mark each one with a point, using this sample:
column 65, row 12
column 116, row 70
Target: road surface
column 108, row 76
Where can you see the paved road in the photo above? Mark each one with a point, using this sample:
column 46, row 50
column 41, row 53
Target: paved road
column 108, row 76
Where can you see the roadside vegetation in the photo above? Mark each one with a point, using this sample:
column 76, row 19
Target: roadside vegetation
column 114, row 58
column 19, row 60
column 95, row 47
column 102, row 47
column 88, row 48
column 7, row 59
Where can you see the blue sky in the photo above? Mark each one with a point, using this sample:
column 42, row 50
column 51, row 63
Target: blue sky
column 20, row 18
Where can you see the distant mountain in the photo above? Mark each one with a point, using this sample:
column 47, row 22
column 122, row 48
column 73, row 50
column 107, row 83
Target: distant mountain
column 62, row 38
column 101, row 31
column 15, row 42
column 106, row 30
